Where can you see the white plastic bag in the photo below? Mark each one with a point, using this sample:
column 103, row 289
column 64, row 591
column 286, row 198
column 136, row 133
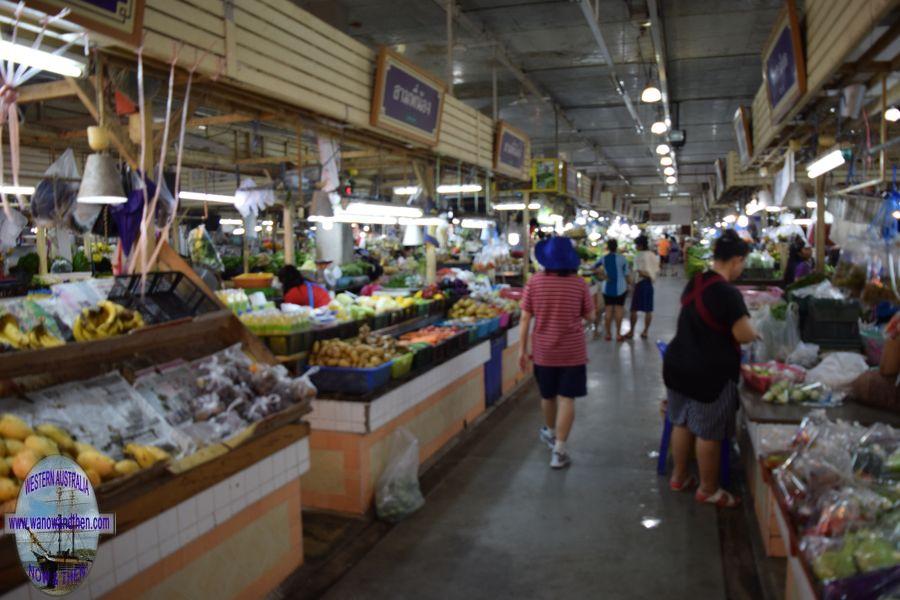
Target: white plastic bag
column 805, row 355
column 778, row 338
column 397, row 492
column 838, row 370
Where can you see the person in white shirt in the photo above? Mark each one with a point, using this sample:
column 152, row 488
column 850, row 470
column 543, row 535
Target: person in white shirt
column 646, row 265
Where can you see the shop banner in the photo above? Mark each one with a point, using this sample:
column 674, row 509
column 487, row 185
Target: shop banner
column 784, row 69
column 512, row 150
column 407, row 100
column 119, row 19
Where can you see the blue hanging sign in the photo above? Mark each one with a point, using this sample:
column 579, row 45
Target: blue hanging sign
column 407, row 100
column 120, row 19
column 512, row 151
column 784, row 68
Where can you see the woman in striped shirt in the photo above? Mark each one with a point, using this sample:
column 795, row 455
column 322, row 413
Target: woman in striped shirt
column 557, row 300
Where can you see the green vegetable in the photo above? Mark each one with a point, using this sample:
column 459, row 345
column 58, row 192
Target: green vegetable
column 779, row 311
column 811, row 279
column 80, row 262
column 875, row 553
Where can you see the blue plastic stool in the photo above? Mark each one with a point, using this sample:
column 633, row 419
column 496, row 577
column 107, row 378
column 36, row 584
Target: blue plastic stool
column 662, row 461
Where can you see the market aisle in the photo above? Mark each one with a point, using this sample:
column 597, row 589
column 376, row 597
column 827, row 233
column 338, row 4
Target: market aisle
column 503, row 524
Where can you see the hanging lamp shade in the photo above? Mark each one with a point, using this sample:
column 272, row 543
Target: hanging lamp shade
column 764, row 199
column 102, row 183
column 794, row 197
column 651, row 94
column 412, row 236
column 320, row 205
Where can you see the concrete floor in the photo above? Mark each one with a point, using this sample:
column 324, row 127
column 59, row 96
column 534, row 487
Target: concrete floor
column 502, row 524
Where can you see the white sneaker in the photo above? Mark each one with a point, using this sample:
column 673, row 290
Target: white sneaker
column 547, row 437
column 560, row 460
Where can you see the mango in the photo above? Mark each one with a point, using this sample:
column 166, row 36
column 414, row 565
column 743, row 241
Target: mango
column 43, row 446
column 60, row 437
column 23, row 462
column 98, row 462
column 13, row 427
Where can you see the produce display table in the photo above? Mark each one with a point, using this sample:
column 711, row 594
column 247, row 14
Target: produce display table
column 763, row 412
column 349, row 442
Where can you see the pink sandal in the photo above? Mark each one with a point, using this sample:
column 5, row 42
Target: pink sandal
column 721, row 499
column 689, row 482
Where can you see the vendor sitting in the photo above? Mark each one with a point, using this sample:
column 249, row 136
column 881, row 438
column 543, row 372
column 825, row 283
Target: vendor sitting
column 297, row 290
column 878, row 387
column 800, row 263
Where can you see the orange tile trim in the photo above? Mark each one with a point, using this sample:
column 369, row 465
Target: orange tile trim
column 184, row 556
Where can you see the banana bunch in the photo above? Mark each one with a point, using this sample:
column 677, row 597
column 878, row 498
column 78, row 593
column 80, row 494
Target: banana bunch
column 146, row 456
column 106, row 320
column 12, row 335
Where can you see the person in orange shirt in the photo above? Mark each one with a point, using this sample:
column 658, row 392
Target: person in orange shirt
column 663, row 247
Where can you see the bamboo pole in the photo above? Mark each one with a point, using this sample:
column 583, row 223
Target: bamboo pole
column 820, row 224
column 41, row 243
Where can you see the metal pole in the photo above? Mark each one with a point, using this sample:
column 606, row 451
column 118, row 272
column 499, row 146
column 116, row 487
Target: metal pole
column 494, row 106
column 526, row 238
column 450, row 10
column 820, row 224
column 881, row 155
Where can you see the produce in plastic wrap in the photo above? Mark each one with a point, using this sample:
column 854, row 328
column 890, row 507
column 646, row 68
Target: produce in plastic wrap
column 787, row 391
column 202, row 250
column 54, row 196
column 397, row 492
column 778, row 336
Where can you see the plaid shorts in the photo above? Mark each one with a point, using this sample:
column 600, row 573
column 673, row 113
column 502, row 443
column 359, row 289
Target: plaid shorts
column 707, row 420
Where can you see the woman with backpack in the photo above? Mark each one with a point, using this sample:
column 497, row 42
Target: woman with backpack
column 701, row 369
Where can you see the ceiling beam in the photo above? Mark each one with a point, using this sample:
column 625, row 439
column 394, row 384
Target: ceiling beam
column 501, row 55
column 38, row 92
column 229, row 119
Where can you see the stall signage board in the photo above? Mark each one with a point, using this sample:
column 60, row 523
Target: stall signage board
column 742, row 132
column 119, row 19
column 571, row 180
column 408, row 100
column 512, row 149
column 545, row 174
column 784, row 68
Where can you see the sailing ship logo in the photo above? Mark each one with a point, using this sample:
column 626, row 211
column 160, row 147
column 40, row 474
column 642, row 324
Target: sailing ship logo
column 57, row 525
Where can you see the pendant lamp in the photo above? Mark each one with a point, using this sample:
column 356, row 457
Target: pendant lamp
column 412, row 236
column 320, row 206
column 795, row 197
column 651, row 94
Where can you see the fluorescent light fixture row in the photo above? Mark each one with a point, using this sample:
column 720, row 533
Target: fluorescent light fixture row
column 202, row 197
column 383, row 210
column 20, row 190
column 465, row 188
column 476, row 223
column 825, row 163
column 408, row 190
column 40, row 59
column 516, row 206
column 230, row 222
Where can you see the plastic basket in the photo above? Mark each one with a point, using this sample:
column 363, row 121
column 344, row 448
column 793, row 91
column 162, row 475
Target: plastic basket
column 400, row 367
column 757, row 275
column 824, row 309
column 380, row 321
column 451, row 347
column 348, row 380
column 422, row 308
column 762, row 383
column 291, row 343
column 832, row 335
column 423, row 356
column 164, row 296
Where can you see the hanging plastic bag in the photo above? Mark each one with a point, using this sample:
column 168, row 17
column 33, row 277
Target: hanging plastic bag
column 54, row 196
column 397, row 492
column 805, row 355
column 10, row 228
column 778, row 337
column 838, row 370
column 202, row 250
column 165, row 204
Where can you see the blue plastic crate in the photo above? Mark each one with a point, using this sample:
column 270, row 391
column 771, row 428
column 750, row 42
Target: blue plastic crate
column 493, row 371
column 348, row 380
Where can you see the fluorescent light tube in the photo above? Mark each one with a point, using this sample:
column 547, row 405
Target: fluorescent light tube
column 40, row 59
column 230, row 222
column 509, row 206
column 825, row 163
column 201, row 197
column 422, row 221
column 409, row 190
column 22, row 190
column 476, row 223
column 466, row 188
column 383, row 210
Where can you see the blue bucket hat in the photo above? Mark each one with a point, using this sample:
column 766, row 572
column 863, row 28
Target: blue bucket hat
column 557, row 254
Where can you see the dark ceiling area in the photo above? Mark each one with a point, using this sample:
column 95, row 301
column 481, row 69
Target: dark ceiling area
column 553, row 81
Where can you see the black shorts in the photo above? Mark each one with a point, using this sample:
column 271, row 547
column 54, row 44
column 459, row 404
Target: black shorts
column 570, row 382
column 615, row 300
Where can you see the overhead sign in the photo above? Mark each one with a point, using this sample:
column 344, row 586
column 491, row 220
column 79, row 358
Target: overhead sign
column 784, row 68
column 743, row 134
column 120, row 19
column 512, row 149
column 407, row 100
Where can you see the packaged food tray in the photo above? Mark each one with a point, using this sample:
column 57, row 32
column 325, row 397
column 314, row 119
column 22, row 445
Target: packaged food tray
column 400, row 367
column 349, row 380
column 762, row 383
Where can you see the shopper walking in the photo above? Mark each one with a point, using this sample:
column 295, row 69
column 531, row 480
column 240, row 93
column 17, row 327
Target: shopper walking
column 663, row 247
column 615, row 288
column 647, row 267
column 701, row 369
column 557, row 300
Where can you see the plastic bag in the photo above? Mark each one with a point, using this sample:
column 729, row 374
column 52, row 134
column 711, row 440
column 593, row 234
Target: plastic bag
column 397, row 492
column 823, row 290
column 805, row 355
column 54, row 197
column 778, row 338
column 202, row 250
column 838, row 370
column 787, row 391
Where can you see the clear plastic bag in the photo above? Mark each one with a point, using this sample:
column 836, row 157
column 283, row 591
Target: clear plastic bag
column 805, row 355
column 838, row 370
column 777, row 338
column 202, row 250
column 54, row 197
column 397, row 492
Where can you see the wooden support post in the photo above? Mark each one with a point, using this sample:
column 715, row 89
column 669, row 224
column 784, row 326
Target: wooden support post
column 288, row 222
column 526, row 238
column 41, row 244
column 820, row 224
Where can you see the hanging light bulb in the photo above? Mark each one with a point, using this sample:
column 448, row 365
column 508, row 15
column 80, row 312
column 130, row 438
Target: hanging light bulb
column 663, row 149
column 892, row 114
column 669, row 170
column 659, row 127
column 666, row 161
column 651, row 94
column 671, row 180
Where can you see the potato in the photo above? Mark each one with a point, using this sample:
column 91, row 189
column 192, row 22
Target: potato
column 63, row 440
column 43, row 446
column 13, row 427
column 9, row 489
column 24, row 461
column 13, row 447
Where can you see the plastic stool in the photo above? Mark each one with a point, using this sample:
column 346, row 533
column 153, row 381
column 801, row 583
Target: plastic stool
column 662, row 460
